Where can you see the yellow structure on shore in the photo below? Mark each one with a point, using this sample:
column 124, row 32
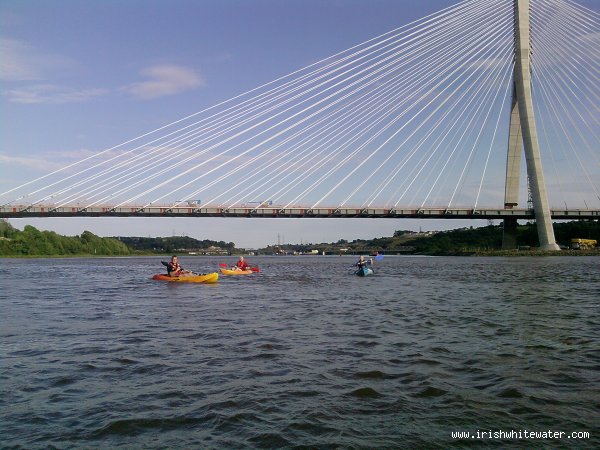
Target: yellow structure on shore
column 583, row 244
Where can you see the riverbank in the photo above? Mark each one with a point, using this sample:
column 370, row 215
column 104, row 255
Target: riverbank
column 517, row 253
column 480, row 253
column 484, row 241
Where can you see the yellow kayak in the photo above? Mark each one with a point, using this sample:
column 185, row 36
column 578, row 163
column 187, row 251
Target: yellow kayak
column 236, row 272
column 200, row 278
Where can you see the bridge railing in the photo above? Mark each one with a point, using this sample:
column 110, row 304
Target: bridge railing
column 25, row 211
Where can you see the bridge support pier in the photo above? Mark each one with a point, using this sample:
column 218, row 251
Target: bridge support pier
column 522, row 114
column 509, row 234
column 513, row 173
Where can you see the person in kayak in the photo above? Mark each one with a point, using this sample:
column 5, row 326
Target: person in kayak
column 174, row 269
column 241, row 264
column 362, row 262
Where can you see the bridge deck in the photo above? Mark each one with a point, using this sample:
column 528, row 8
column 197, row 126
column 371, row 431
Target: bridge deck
column 9, row 212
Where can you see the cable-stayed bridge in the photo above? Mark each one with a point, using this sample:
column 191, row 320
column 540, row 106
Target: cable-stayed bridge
column 427, row 120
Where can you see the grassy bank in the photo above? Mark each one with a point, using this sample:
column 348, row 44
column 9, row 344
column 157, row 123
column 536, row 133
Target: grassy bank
column 520, row 253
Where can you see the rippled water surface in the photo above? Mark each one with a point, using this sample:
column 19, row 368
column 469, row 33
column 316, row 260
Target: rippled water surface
column 94, row 354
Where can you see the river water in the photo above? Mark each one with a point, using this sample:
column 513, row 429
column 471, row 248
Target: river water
column 94, row 354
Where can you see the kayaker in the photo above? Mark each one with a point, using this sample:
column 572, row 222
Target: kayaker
column 174, row 269
column 241, row 264
column 362, row 262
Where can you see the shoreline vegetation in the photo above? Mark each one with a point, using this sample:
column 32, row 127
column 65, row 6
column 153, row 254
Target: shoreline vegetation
column 482, row 241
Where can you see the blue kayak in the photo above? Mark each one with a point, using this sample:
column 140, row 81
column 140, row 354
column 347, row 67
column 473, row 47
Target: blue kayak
column 364, row 272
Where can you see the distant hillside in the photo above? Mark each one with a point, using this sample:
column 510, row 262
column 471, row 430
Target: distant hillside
column 33, row 242
column 175, row 244
column 463, row 240
column 490, row 237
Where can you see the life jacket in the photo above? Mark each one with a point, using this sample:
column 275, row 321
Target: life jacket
column 173, row 267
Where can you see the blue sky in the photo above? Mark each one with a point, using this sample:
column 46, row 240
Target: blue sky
column 81, row 76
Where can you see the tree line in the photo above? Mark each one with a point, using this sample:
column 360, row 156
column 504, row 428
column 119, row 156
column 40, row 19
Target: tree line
column 490, row 238
column 174, row 244
column 33, row 242
column 458, row 241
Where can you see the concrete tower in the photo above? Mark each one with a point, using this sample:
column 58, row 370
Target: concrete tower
column 523, row 131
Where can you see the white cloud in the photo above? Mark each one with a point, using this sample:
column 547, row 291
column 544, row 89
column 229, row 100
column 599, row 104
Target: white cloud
column 22, row 62
column 37, row 163
column 165, row 80
column 47, row 93
column 17, row 63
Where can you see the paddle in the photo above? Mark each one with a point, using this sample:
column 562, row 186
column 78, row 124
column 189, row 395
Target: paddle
column 166, row 264
column 377, row 257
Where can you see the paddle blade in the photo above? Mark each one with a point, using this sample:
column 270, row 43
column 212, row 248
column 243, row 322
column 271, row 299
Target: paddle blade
column 164, row 263
column 223, row 265
column 254, row 269
column 378, row 258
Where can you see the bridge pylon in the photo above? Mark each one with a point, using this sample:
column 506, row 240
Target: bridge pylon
column 523, row 133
